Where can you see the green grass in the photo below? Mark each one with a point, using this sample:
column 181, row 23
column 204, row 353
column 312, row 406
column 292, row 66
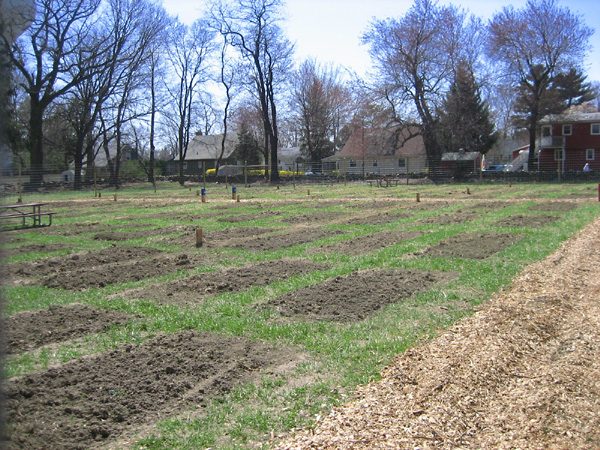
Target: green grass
column 338, row 356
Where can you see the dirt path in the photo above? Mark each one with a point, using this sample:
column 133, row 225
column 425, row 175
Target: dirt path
column 524, row 372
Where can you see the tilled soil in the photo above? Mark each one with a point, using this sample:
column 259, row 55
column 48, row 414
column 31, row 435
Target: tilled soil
column 462, row 246
column 367, row 243
column 88, row 402
column 520, row 374
column 353, row 297
column 194, row 289
column 32, row 329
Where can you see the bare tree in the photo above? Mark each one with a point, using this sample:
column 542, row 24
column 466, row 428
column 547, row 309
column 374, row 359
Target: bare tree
column 533, row 45
column 252, row 28
column 46, row 56
column 415, row 58
column 319, row 102
column 191, row 47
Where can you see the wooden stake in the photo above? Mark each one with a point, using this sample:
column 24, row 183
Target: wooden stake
column 115, row 197
column 198, row 237
column 418, row 197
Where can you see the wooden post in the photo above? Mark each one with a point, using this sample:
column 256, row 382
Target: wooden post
column 20, row 199
column 115, row 197
column 246, row 173
column 418, row 197
column 198, row 237
column 203, row 195
column 308, row 192
column 233, row 193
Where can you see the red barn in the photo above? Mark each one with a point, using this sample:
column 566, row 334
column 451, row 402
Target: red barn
column 569, row 141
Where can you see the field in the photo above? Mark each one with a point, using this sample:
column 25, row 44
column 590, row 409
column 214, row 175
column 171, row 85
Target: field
column 122, row 332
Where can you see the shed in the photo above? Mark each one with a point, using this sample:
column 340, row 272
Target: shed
column 460, row 162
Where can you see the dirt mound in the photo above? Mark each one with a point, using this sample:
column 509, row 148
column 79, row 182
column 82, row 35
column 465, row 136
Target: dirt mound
column 91, row 401
column 193, row 289
column 471, row 246
column 353, row 297
column 526, row 220
column 367, row 243
column 32, row 329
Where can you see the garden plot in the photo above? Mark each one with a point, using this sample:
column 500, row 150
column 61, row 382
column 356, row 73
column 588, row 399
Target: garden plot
column 116, row 254
column 526, row 220
column 216, row 238
column 354, row 297
column 294, row 236
column 34, row 248
column 319, row 216
column 194, row 289
column 28, row 330
column 367, row 243
column 471, row 245
column 450, row 218
column 90, row 402
column 378, row 219
column 117, row 264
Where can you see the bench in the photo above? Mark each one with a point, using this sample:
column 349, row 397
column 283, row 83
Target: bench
column 24, row 212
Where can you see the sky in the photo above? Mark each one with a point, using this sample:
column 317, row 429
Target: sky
column 330, row 31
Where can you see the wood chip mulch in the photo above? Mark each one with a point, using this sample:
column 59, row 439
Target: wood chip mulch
column 522, row 373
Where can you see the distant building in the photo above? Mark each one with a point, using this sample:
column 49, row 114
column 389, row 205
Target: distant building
column 569, row 141
column 380, row 151
column 203, row 153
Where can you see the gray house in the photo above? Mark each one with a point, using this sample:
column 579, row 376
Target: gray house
column 203, row 153
column 380, row 151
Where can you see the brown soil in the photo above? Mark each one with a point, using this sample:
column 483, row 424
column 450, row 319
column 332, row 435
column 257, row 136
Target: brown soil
column 521, row 373
column 196, row 288
column 378, row 219
column 450, row 218
column 367, row 243
column 354, row 297
column 88, row 402
column 526, row 220
column 32, row 329
column 462, row 246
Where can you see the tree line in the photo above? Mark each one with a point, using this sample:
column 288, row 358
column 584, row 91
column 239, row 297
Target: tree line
column 98, row 76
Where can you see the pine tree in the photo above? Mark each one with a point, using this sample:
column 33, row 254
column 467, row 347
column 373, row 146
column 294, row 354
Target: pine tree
column 247, row 148
column 465, row 118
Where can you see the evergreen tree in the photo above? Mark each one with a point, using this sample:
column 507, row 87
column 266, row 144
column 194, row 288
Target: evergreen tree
column 560, row 92
column 247, row 148
column 465, row 118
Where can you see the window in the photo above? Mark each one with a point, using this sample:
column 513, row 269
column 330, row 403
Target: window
column 374, row 163
column 567, row 130
column 559, row 155
column 352, row 163
column 401, row 163
column 590, row 154
column 547, row 131
column 595, row 128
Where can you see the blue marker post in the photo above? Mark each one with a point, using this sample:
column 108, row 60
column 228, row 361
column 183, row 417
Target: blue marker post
column 233, row 192
column 203, row 195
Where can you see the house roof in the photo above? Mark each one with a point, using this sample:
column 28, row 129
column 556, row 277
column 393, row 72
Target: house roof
column 460, row 156
column 208, row 147
column 369, row 143
column 572, row 117
column 289, row 154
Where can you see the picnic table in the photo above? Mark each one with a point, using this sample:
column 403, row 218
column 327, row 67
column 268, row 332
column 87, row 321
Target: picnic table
column 24, row 211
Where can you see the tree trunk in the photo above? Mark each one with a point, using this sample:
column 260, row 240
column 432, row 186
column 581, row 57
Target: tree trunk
column 36, row 144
